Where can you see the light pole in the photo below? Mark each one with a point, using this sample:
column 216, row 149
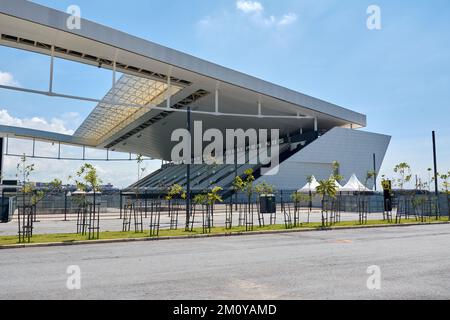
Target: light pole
column 435, row 165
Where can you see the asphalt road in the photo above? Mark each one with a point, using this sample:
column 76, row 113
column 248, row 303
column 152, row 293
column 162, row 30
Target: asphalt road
column 414, row 264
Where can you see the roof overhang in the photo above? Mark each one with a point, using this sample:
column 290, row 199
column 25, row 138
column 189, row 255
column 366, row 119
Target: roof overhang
column 44, row 136
column 29, row 26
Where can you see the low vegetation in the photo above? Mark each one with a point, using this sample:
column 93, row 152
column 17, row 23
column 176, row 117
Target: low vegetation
column 108, row 235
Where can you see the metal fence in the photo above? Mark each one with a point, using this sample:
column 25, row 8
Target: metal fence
column 62, row 203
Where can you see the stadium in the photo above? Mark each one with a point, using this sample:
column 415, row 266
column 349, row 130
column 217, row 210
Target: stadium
column 130, row 170
column 156, row 90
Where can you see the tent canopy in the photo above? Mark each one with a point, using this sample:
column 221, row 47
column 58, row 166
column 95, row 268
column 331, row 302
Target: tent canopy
column 310, row 187
column 314, row 184
column 338, row 186
column 354, row 185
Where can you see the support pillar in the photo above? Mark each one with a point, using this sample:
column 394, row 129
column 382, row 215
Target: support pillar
column 114, row 81
column 1, row 159
column 216, row 101
column 375, row 171
column 316, row 126
column 169, row 89
column 65, row 205
column 235, row 175
column 52, row 63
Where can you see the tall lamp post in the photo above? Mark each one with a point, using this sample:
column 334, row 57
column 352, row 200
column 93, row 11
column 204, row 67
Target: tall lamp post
column 435, row 165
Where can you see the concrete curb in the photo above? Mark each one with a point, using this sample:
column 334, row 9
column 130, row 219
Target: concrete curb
column 203, row 236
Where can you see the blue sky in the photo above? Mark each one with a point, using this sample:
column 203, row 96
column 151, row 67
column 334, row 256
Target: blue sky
column 399, row 76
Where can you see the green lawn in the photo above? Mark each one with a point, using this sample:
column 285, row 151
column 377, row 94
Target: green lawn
column 69, row 237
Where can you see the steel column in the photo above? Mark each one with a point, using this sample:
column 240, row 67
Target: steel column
column 375, row 170
column 435, row 165
column 52, row 63
column 1, row 159
column 216, row 101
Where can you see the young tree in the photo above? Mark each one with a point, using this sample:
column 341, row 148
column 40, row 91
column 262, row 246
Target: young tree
column 140, row 170
column 24, row 171
column 430, row 179
column 176, row 191
column 404, row 171
column 336, row 166
column 297, row 198
column 445, row 182
column 87, row 179
column 326, row 188
column 208, row 201
column 446, row 185
column 370, row 175
column 309, row 180
column 213, row 196
column 246, row 184
column 264, row 188
column 200, row 199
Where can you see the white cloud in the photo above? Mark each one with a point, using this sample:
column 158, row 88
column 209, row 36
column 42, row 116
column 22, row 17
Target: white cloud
column 249, row 6
column 205, row 22
column 256, row 11
column 288, row 19
column 120, row 174
column 38, row 123
column 7, row 79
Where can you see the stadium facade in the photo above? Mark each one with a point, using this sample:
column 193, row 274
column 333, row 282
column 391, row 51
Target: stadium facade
column 153, row 87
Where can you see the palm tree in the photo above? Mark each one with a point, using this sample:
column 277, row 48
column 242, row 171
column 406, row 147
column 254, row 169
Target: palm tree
column 336, row 171
column 212, row 198
column 326, row 188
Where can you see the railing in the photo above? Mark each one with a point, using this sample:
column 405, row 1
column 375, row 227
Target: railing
column 61, row 204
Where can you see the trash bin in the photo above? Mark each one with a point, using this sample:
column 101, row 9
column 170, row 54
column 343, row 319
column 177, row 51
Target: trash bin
column 267, row 203
column 4, row 210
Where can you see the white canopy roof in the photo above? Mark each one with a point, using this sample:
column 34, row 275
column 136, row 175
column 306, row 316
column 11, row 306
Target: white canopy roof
column 149, row 101
column 78, row 192
column 354, row 185
column 338, row 186
column 310, row 186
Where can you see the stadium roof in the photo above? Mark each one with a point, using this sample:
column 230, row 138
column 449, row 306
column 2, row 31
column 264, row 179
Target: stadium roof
column 157, row 84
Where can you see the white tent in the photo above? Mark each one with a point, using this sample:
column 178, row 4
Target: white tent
column 78, row 192
column 92, row 193
column 354, row 185
column 338, row 186
column 310, row 186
